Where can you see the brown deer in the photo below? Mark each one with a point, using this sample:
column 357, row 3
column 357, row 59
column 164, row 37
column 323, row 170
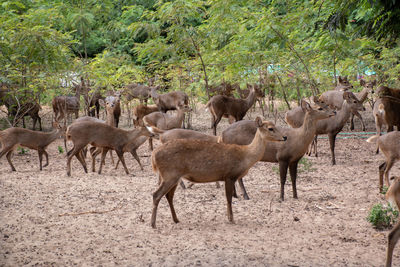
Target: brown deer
column 65, row 105
column 333, row 126
column 203, row 162
column 222, row 105
column 260, row 95
column 100, row 135
column 288, row 153
column 295, row 117
column 344, row 84
column 393, row 196
column 114, row 102
column 138, row 91
column 390, row 99
column 225, row 88
column 140, row 111
column 389, row 144
column 169, row 101
column 164, row 121
column 335, row 99
column 13, row 137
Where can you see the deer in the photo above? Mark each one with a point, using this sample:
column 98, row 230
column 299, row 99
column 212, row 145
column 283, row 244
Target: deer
column 222, row 105
column 114, row 101
column 389, row 144
column 14, row 136
column 393, row 196
column 295, row 117
column 335, row 98
column 225, row 88
column 140, row 111
column 203, row 162
column 138, row 91
column 288, row 153
column 390, row 100
column 260, row 94
column 65, row 105
column 100, row 135
column 159, row 120
column 19, row 110
column 333, row 126
column 169, row 101
column 92, row 102
column 344, row 84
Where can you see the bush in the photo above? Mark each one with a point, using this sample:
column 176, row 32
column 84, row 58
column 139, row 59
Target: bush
column 60, row 149
column 382, row 217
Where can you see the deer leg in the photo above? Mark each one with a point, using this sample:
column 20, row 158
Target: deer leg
column 40, row 153
column 216, row 123
column 120, row 155
column 170, row 198
column 81, row 159
column 47, row 158
column 283, row 167
column 332, row 139
column 134, row 154
column 8, row 156
column 151, row 143
column 229, row 185
column 378, row 126
column 34, row 119
column 382, row 168
column 111, row 156
column 352, row 121
column 94, row 152
column 389, row 165
column 293, row 176
column 40, row 123
column 361, row 119
column 164, row 188
column 23, row 121
column 103, row 156
column 70, row 154
column 240, row 181
column 393, row 237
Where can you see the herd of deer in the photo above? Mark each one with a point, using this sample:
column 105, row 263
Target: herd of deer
column 192, row 155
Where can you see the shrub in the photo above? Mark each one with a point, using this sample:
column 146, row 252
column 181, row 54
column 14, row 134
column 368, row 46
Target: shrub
column 382, row 217
column 60, row 149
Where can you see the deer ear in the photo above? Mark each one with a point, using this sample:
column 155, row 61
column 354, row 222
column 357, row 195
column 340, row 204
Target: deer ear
column 315, row 99
column 362, row 82
column 346, row 95
column 102, row 103
column 305, row 106
column 259, row 121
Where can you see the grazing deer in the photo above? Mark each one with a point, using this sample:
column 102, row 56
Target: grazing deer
column 288, row 153
column 100, row 135
column 222, row 105
column 389, row 144
column 169, row 101
column 203, row 162
column 13, row 137
column 393, row 196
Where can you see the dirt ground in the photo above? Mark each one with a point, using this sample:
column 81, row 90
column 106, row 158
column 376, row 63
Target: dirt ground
column 47, row 218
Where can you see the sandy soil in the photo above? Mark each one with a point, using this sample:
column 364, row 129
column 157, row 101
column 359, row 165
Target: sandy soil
column 47, row 218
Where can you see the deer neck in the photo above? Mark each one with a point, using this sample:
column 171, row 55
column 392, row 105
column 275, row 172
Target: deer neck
column 308, row 129
column 154, row 93
column 362, row 96
column 343, row 114
column 53, row 135
column 178, row 118
column 251, row 98
column 255, row 150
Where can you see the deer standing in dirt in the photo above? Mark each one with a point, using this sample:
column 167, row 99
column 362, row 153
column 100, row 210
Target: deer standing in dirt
column 100, row 135
column 393, row 196
column 202, row 162
column 288, row 153
column 13, row 137
column 389, row 144
column 220, row 105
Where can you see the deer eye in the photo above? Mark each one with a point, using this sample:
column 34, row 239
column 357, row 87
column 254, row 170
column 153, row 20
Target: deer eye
column 355, row 102
column 320, row 109
column 271, row 129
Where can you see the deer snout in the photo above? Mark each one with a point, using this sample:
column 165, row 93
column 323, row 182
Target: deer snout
column 284, row 138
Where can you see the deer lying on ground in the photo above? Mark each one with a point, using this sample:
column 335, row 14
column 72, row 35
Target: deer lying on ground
column 222, row 105
column 393, row 196
column 13, row 137
column 389, row 144
column 203, row 162
column 335, row 99
column 288, row 153
column 333, row 126
column 100, row 135
column 140, row 111
column 163, row 121
column 169, row 101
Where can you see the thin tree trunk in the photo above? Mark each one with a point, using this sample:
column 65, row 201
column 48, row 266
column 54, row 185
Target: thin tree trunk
column 283, row 91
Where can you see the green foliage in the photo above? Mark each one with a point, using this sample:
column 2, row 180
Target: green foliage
column 60, row 149
column 382, row 217
column 305, row 165
column 22, row 150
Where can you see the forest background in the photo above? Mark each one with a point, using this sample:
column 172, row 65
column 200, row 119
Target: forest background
column 295, row 48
